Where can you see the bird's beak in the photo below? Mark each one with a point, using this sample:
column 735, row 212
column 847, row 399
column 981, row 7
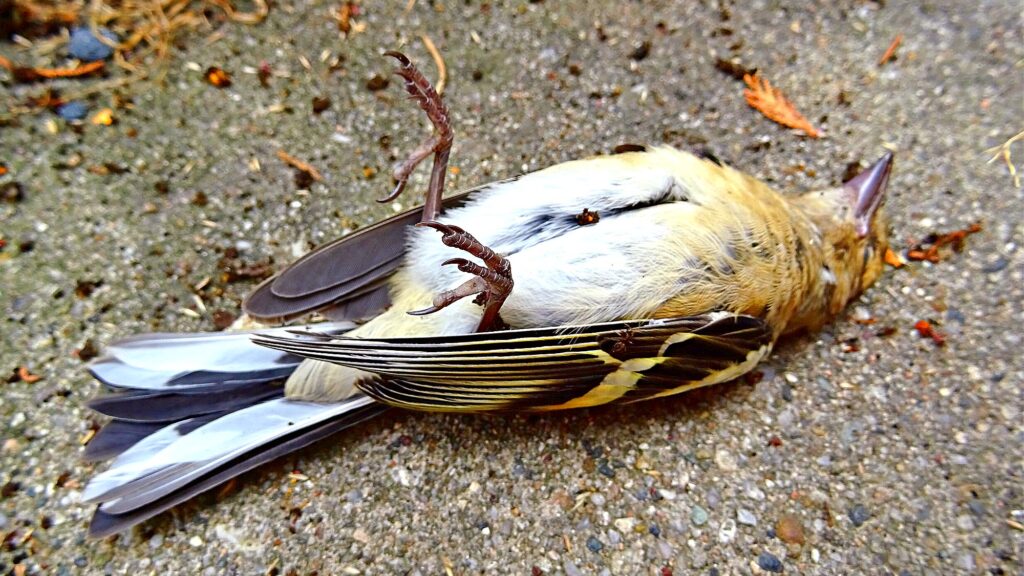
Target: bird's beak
column 868, row 190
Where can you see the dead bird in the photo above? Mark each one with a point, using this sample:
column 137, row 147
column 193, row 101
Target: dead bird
column 611, row 279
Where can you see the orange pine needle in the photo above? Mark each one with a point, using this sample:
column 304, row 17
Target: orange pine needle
column 28, row 377
column 770, row 101
column 300, row 165
column 891, row 50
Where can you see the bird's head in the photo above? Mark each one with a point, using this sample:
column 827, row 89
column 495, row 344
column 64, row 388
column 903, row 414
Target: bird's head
column 853, row 231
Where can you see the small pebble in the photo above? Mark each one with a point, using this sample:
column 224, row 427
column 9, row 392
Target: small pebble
column 746, row 517
column 88, row 48
column 726, row 461
column 698, row 516
column 597, row 499
column 594, row 545
column 606, row 470
column 571, row 569
column 74, row 110
column 965, row 523
column 790, row 530
column 976, row 508
column 195, row 541
column 859, row 514
column 727, row 531
column 769, row 562
column 654, row 530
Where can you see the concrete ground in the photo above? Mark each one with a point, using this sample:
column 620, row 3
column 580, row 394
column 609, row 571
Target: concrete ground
column 878, row 450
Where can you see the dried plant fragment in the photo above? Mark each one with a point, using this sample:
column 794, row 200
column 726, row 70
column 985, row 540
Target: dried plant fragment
column 926, row 330
column 300, row 165
column 1003, row 151
column 890, row 52
column 770, row 101
column 892, row 258
column 928, row 249
column 217, row 77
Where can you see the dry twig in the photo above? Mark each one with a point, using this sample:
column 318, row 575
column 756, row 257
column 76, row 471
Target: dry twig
column 1003, row 151
column 300, row 165
column 442, row 70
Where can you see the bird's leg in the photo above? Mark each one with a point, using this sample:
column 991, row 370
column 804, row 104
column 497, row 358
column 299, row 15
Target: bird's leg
column 439, row 144
column 493, row 283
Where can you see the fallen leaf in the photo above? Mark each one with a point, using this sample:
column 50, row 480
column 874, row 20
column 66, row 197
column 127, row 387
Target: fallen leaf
column 770, row 101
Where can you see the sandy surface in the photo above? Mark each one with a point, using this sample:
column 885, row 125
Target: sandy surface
column 892, row 455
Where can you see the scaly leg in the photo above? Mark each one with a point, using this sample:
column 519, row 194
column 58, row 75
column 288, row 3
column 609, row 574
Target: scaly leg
column 440, row 144
column 492, row 284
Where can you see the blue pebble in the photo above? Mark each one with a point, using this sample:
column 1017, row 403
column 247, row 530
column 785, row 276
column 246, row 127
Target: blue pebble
column 594, row 545
column 654, row 530
column 769, row 562
column 859, row 514
column 88, row 48
column 74, row 110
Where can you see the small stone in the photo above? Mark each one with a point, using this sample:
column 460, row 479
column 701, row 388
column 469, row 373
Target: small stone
column 667, row 494
column 594, row 545
column 597, row 499
column 74, row 110
column 859, row 514
column 605, row 469
column 769, row 562
column 156, row 541
column 726, row 461
column 195, row 541
column 624, row 525
column 965, row 523
column 746, row 517
column 84, row 46
column 976, row 508
column 967, row 562
column 727, row 531
column 790, row 530
column 698, row 516
column 654, row 530
column 571, row 569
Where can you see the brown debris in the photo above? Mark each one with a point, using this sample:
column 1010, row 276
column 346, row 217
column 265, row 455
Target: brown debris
column 27, row 74
column 300, row 165
column 734, row 69
column 892, row 258
column 770, row 101
column 890, row 52
column 587, row 217
column 217, row 77
column 222, row 319
column 27, row 377
column 926, row 330
column 928, row 249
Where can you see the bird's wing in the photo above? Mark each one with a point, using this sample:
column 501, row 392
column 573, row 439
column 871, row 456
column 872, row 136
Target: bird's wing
column 347, row 276
column 545, row 369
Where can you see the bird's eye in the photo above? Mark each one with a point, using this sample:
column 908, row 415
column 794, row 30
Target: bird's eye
column 869, row 251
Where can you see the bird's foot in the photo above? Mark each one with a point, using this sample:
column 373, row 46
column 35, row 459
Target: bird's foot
column 439, row 144
column 491, row 284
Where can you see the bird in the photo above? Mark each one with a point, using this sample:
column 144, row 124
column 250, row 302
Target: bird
column 611, row 279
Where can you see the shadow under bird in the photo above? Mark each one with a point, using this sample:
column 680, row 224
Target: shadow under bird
column 610, row 279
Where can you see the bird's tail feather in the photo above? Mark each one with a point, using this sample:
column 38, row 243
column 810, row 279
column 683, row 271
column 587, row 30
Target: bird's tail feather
column 192, row 411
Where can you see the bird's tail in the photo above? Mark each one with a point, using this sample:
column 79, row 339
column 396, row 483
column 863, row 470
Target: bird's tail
column 191, row 411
